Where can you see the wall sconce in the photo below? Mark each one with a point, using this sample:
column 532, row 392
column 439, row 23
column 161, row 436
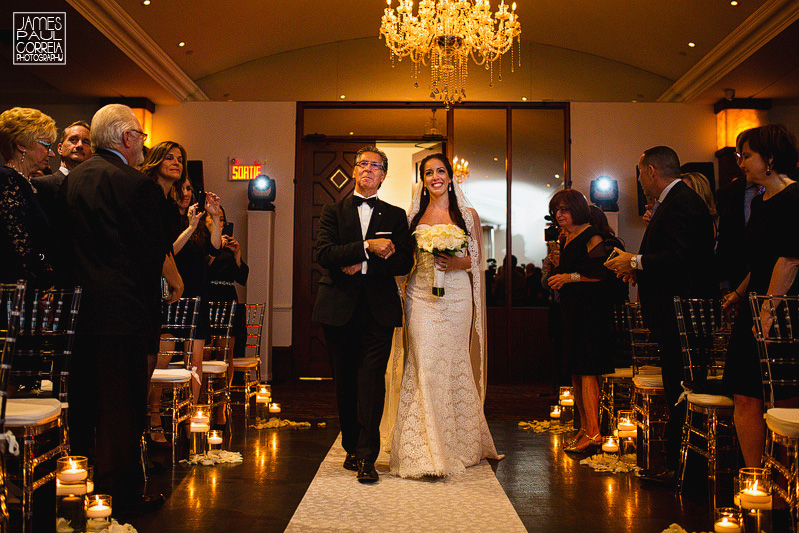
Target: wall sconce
column 736, row 115
column 605, row 193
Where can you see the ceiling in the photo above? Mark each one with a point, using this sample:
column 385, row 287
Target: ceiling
column 571, row 50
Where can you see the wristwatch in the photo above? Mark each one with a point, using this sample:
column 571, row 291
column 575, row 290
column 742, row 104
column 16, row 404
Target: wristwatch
column 634, row 262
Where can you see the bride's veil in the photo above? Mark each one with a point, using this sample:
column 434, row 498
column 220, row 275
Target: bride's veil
column 477, row 344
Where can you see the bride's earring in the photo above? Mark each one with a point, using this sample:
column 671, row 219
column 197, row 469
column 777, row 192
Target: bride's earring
column 424, row 191
column 450, row 186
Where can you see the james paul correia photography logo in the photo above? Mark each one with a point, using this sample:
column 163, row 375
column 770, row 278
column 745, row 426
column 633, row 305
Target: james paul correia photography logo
column 40, row 38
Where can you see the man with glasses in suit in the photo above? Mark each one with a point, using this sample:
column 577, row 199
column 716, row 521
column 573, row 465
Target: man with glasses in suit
column 363, row 243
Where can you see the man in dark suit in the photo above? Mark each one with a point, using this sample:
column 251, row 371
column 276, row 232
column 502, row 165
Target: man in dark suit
column 675, row 259
column 118, row 249
column 363, row 243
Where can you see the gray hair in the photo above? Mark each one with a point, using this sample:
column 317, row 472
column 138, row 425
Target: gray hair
column 109, row 124
column 374, row 150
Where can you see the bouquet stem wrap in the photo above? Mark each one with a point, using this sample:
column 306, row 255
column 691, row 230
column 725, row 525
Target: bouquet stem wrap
column 440, row 239
column 438, row 285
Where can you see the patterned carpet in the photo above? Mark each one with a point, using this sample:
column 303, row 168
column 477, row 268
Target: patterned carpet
column 336, row 502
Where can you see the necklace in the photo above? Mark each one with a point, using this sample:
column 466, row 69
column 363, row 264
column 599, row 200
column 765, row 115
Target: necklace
column 18, row 171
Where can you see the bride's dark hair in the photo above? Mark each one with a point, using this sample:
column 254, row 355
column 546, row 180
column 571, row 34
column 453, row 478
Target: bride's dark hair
column 454, row 211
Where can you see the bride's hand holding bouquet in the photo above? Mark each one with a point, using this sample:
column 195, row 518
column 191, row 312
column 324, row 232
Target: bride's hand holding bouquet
column 445, row 241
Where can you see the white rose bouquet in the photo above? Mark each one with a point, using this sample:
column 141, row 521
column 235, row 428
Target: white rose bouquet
column 440, row 239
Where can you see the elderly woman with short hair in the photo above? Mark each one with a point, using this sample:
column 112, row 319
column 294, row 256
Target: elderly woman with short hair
column 26, row 137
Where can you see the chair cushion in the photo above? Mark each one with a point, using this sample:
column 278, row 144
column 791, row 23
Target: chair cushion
column 648, row 381
column 620, row 373
column 214, row 367
column 171, row 375
column 31, row 411
column 783, row 421
column 709, row 400
column 244, row 362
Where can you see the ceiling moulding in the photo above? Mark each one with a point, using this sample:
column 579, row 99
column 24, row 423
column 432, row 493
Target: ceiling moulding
column 108, row 17
column 757, row 30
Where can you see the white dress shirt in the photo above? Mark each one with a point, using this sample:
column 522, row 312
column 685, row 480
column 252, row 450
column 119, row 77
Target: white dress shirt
column 365, row 216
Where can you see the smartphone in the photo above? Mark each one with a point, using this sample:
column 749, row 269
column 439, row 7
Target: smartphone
column 613, row 254
column 227, row 229
column 201, row 201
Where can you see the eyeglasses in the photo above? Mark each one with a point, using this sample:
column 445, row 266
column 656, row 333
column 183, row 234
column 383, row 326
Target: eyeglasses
column 562, row 210
column 366, row 164
column 141, row 134
column 45, row 144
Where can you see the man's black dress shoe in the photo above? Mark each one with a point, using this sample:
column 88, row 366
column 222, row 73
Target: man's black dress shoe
column 351, row 462
column 366, row 471
column 145, row 503
column 666, row 478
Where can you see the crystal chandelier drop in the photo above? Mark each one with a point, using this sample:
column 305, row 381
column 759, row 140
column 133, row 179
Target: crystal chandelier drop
column 444, row 33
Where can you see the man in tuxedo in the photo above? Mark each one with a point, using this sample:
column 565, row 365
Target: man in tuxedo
column 363, row 243
column 118, row 248
column 675, row 259
column 74, row 148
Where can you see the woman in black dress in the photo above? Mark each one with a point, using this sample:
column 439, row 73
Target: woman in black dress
column 768, row 156
column 26, row 136
column 586, row 308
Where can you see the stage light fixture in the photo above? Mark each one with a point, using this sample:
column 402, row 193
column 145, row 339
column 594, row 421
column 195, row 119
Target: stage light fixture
column 605, row 193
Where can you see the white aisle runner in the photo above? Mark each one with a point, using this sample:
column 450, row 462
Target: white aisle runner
column 337, row 502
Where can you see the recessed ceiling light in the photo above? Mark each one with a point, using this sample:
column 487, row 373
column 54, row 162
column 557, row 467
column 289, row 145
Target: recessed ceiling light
column 495, row 159
column 352, row 133
column 524, row 98
column 733, row 3
column 691, row 45
column 557, row 176
column 146, row 2
column 342, row 97
column 181, row 43
column 548, row 185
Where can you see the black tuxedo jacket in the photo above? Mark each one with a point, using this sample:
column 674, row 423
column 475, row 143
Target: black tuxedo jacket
column 118, row 245
column 677, row 257
column 339, row 243
column 47, row 190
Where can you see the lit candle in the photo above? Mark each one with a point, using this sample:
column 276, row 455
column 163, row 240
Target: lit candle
column 199, row 427
column 98, row 510
column 555, row 413
column 77, row 489
column 567, row 401
column 215, row 437
column 754, row 498
column 73, row 473
column 274, row 407
column 200, row 417
column 626, row 425
column 627, row 434
column 726, row 525
column 610, row 445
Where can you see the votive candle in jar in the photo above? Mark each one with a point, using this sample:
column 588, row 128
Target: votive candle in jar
column 215, row 438
column 98, row 506
column 554, row 412
column 610, row 445
column 274, row 407
column 72, row 469
column 728, row 520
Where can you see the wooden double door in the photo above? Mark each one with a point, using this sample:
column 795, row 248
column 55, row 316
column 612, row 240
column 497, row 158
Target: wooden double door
column 325, row 177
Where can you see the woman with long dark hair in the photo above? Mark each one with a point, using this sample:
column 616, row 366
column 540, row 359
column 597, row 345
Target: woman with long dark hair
column 440, row 426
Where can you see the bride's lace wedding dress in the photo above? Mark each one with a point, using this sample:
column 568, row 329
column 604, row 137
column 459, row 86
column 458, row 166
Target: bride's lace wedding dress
column 440, row 427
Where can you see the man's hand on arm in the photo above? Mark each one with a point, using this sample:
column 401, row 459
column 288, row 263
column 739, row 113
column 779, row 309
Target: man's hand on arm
column 382, row 248
column 352, row 269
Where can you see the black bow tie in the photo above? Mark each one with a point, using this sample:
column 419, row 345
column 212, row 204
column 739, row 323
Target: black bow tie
column 358, row 200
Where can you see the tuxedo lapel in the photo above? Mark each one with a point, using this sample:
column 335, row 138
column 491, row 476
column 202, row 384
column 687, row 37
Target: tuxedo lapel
column 377, row 213
column 352, row 222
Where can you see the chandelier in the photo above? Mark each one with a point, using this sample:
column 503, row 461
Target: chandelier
column 460, row 169
column 443, row 34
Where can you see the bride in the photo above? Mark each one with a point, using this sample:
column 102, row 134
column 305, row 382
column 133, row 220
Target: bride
column 440, row 426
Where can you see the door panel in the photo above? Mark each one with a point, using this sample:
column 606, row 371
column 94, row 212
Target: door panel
column 326, row 177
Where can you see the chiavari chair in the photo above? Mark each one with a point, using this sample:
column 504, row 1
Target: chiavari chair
column 250, row 365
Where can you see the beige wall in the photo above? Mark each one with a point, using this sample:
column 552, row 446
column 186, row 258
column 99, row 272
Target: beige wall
column 264, row 131
column 607, row 139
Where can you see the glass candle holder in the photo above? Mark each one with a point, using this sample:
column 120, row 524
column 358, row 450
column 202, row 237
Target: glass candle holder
column 566, row 396
column 625, row 424
column 754, row 488
column 98, row 512
column 610, row 445
column 215, row 440
column 274, row 408
column 263, row 394
column 554, row 414
column 72, row 469
column 727, row 520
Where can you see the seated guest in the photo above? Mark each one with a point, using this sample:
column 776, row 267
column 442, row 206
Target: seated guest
column 768, row 156
column 26, row 137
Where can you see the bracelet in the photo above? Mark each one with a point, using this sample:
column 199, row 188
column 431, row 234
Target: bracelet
column 575, row 276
